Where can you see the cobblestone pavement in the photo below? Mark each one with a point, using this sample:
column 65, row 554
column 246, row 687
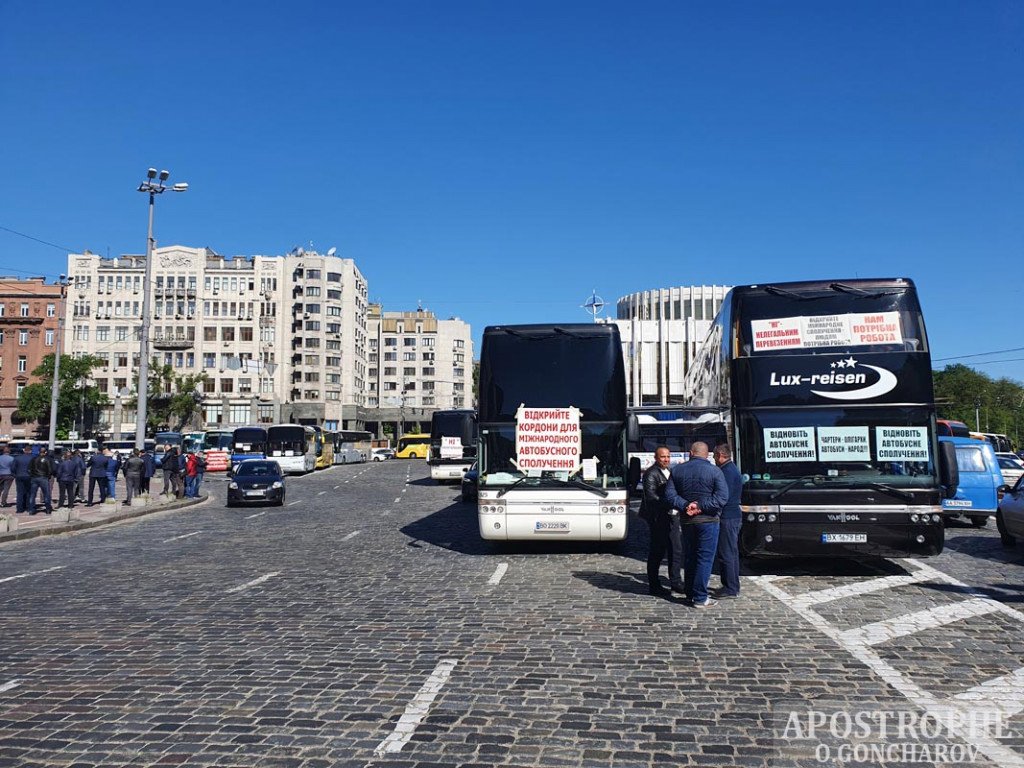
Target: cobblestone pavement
column 365, row 623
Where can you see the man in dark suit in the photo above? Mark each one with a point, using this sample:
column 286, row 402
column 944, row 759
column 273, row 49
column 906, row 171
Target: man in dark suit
column 21, row 468
column 658, row 513
column 97, row 466
column 728, row 555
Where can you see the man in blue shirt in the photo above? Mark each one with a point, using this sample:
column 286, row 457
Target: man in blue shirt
column 728, row 558
column 697, row 489
column 6, row 474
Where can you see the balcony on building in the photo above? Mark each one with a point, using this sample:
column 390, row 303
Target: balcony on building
column 171, row 342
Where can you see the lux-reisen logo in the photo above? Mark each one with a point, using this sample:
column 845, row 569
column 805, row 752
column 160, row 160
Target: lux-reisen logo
column 850, row 381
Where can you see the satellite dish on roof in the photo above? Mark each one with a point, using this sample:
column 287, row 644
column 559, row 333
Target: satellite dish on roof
column 233, row 364
column 331, row 251
column 300, row 251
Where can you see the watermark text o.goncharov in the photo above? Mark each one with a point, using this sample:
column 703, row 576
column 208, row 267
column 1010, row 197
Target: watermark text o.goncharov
column 837, row 733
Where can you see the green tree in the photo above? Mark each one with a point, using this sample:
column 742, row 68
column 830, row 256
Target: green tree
column 74, row 392
column 978, row 400
column 173, row 400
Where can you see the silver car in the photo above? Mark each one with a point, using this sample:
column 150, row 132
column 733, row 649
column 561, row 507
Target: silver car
column 1010, row 515
column 1010, row 467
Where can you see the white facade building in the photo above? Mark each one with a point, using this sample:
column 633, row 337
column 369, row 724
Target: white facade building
column 661, row 331
column 275, row 335
column 417, row 364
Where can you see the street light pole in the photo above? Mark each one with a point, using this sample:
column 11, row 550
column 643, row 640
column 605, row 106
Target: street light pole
column 154, row 187
column 55, row 387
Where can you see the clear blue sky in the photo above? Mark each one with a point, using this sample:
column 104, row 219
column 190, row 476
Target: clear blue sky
column 501, row 160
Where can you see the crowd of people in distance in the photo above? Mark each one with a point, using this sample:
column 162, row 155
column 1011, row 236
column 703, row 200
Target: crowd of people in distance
column 33, row 476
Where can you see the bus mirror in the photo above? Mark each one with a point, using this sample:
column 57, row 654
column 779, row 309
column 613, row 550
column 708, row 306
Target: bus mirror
column 949, row 472
column 633, row 473
column 632, row 430
column 468, row 432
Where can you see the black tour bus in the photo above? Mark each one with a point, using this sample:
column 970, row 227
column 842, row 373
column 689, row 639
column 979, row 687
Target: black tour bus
column 825, row 388
column 452, row 444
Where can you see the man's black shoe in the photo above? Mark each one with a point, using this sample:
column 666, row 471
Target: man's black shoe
column 720, row 594
column 658, row 591
column 679, row 589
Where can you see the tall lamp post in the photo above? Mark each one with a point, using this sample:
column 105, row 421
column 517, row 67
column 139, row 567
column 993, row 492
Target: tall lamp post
column 55, row 388
column 154, row 186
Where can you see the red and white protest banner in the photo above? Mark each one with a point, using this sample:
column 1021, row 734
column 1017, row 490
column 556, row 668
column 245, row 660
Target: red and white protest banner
column 548, row 439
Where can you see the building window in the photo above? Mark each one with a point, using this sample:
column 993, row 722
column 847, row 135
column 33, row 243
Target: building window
column 334, row 294
column 245, row 333
column 331, row 395
column 102, row 333
column 312, row 325
column 210, row 333
column 227, row 386
column 19, row 389
column 409, row 342
column 311, row 376
column 3, row 310
column 312, row 274
column 313, row 290
column 121, row 333
column 22, row 338
column 213, row 414
column 245, row 386
column 391, row 341
column 334, row 378
column 51, row 310
column 334, row 277
column 23, row 364
column 49, row 339
column 239, row 414
column 390, row 357
column 312, row 343
column 409, row 371
column 428, row 341
column 312, row 394
column 407, row 356
column 227, row 333
column 312, row 359
column 313, row 309
column 24, row 310
column 266, row 414
column 334, row 362
column 390, row 370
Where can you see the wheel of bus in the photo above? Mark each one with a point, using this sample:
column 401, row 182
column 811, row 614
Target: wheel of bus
column 1005, row 537
column 979, row 521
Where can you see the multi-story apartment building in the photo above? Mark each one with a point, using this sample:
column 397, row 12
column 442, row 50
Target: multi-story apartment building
column 234, row 319
column 661, row 331
column 416, row 364
column 29, row 310
column 326, row 337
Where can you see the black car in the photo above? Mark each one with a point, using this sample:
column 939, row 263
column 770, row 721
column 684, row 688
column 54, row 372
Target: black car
column 256, row 481
column 469, row 483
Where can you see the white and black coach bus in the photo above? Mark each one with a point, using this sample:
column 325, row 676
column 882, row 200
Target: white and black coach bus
column 553, row 433
column 826, row 391
column 452, row 444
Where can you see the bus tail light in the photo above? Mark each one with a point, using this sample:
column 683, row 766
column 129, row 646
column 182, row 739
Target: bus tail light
column 613, row 509
column 492, row 507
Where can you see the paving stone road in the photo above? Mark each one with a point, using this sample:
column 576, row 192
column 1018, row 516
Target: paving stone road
column 365, row 623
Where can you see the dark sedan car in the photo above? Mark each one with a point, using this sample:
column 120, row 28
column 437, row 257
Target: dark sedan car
column 469, row 483
column 256, row 481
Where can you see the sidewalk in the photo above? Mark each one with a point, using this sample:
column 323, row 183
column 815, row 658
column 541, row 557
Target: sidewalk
column 41, row 524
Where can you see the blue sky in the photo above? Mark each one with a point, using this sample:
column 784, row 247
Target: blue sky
column 498, row 161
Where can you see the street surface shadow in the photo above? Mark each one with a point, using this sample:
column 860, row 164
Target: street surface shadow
column 621, row 581
column 820, row 566
column 1004, row 593
column 456, row 528
column 428, row 481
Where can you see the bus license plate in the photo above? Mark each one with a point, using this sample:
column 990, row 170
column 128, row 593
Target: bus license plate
column 552, row 526
column 844, row 538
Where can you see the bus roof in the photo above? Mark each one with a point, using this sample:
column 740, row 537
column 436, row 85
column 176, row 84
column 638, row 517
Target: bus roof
column 809, row 286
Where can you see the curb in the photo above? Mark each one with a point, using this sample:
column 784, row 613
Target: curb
column 81, row 525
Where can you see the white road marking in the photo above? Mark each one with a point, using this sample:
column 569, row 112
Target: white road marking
column 498, row 573
column 857, row 588
column 350, row 536
column 932, row 618
column 183, row 536
column 33, row 573
column 335, row 487
column 398, row 499
column 1005, row 692
column 257, row 514
column 253, row 583
column 417, row 709
column 9, row 685
column 321, row 493
column 292, row 503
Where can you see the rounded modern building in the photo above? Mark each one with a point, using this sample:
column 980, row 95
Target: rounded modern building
column 661, row 330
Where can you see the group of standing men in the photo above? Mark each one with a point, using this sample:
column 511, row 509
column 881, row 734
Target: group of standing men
column 33, row 476
column 693, row 510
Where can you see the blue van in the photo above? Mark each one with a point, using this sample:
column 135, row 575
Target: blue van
column 977, row 495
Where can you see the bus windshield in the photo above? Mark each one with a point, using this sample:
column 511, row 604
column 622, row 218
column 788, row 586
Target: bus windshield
column 583, row 368
column 249, row 439
column 450, row 423
column 838, row 447
column 217, row 441
column 288, row 438
column 830, row 317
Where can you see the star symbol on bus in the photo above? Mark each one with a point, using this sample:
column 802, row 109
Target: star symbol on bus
column 851, row 363
column 839, row 364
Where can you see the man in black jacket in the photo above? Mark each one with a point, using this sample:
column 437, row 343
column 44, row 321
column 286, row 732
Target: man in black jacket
column 41, row 469
column 664, row 525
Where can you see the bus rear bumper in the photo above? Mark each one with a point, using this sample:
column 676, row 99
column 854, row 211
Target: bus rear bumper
column 448, row 471
column 827, row 539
